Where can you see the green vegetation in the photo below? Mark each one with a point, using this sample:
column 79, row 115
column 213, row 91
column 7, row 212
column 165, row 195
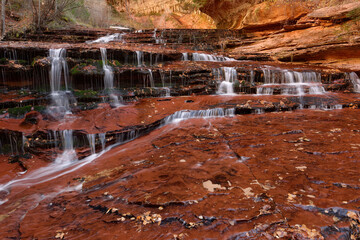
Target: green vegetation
column 75, row 70
column 3, row 61
column 92, row 66
column 77, row 14
column 21, row 111
column 199, row 3
column 354, row 14
column 35, row 60
column 85, row 93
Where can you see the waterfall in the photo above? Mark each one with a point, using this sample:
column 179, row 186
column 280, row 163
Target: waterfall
column 24, row 142
column 139, row 56
column 252, row 77
column 185, row 57
column 127, row 136
column 167, row 92
column 108, row 71
column 69, row 153
column 189, row 114
column 158, row 40
column 289, row 82
column 355, row 81
column 109, row 38
column 109, row 78
column 58, row 66
column 59, row 71
column 91, row 139
column 230, row 76
column 151, row 78
column 209, row 57
column 163, row 78
column 102, row 140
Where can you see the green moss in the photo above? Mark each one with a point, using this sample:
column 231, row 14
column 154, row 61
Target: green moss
column 155, row 14
column 21, row 111
column 116, row 63
column 85, row 93
column 199, row 3
column 22, row 62
column 35, row 60
column 75, row 70
column 3, row 61
column 354, row 14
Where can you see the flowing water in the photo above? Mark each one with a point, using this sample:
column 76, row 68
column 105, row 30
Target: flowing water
column 109, row 79
column 168, row 133
column 140, row 58
column 185, row 57
column 91, row 138
column 287, row 82
column 151, row 78
column 59, row 75
column 119, row 37
column 355, row 81
column 210, row 57
column 229, row 78
column 190, row 114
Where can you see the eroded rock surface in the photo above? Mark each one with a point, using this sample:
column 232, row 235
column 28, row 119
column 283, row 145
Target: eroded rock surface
column 160, row 140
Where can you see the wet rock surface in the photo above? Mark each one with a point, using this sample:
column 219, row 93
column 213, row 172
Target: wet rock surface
column 180, row 144
column 249, row 176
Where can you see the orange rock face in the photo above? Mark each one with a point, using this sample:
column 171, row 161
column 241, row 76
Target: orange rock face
column 252, row 176
column 232, row 150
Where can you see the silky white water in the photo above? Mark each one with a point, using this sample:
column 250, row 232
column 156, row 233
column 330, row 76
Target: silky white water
column 209, row 57
column 109, row 38
column 289, row 82
column 109, row 79
column 190, row 114
column 355, row 80
column 229, row 76
column 59, row 73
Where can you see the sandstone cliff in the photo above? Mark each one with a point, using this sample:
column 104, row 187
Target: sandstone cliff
column 164, row 14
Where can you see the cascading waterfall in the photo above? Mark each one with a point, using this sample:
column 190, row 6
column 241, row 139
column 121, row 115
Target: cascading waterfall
column 139, row 57
column 92, row 141
column 185, row 57
column 252, row 77
column 158, row 40
column 102, row 140
column 230, row 76
column 289, row 82
column 69, row 153
column 109, row 74
column 91, row 138
column 163, row 78
column 59, row 71
column 189, row 114
column 151, row 79
column 355, row 81
column 109, row 78
column 209, row 58
column 167, row 92
column 109, row 38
